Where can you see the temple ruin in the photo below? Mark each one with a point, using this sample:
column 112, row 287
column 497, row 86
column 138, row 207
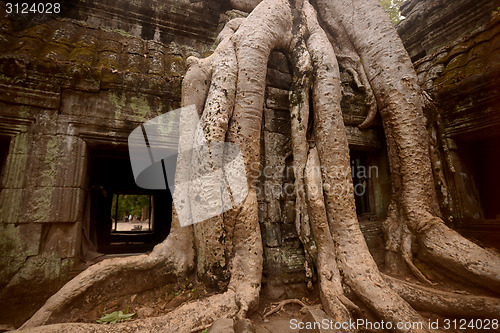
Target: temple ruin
column 73, row 86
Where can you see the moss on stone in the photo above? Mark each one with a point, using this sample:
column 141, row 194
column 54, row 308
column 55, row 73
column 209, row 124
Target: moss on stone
column 141, row 108
column 119, row 101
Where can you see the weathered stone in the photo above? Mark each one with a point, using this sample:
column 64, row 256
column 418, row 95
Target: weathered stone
column 271, row 234
column 288, row 231
column 146, row 312
column 62, row 239
column 437, row 30
column 43, row 275
column 312, row 322
column 273, row 261
column 273, row 288
column 279, row 61
column 244, row 326
column 11, row 200
column 278, row 79
column 67, row 85
column 362, row 139
column 277, row 121
column 293, row 260
column 262, row 211
column 277, row 99
column 224, row 325
column 288, row 212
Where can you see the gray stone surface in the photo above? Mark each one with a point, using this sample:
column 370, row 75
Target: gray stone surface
column 312, row 320
column 224, row 325
column 244, row 326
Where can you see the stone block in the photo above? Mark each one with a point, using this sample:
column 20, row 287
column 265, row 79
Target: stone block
column 312, row 320
column 67, row 205
column 364, row 139
column 10, row 205
column 57, row 160
column 41, row 95
column 278, row 79
column 273, row 211
column 277, row 121
column 293, row 260
column 277, row 99
column 262, row 210
column 278, row 61
column 22, row 240
column 288, row 212
column 244, row 326
column 9, row 266
column 271, row 234
column 273, row 288
column 272, row 261
column 72, row 162
column 14, row 169
column 54, row 204
column 288, row 231
column 273, row 189
column 61, row 239
column 276, row 148
column 224, row 325
column 39, row 277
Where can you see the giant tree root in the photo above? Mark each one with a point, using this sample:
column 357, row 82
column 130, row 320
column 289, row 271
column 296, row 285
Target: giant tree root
column 168, row 260
column 281, row 305
column 445, row 303
column 182, row 320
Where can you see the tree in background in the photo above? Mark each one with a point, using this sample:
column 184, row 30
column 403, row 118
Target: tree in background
column 392, row 9
column 129, row 204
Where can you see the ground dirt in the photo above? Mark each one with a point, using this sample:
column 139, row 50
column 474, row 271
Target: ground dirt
column 161, row 300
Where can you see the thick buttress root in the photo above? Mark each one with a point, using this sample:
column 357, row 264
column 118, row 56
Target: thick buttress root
column 172, row 258
column 227, row 90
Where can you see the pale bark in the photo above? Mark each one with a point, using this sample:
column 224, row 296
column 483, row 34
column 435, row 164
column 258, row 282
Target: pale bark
column 393, row 79
column 356, row 264
column 334, row 301
column 266, row 28
column 210, row 235
column 446, row 303
column 299, row 115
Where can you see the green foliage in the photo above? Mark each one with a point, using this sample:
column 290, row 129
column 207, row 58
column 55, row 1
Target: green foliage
column 129, row 204
column 392, row 9
column 115, row 317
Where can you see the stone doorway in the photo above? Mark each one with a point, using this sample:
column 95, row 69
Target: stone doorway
column 123, row 218
column 4, row 151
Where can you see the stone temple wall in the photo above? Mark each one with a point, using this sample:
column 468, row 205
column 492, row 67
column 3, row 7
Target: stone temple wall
column 456, row 53
column 81, row 82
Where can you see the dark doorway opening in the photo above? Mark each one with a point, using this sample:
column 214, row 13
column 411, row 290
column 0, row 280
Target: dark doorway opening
column 360, row 174
column 4, row 151
column 124, row 218
column 482, row 156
